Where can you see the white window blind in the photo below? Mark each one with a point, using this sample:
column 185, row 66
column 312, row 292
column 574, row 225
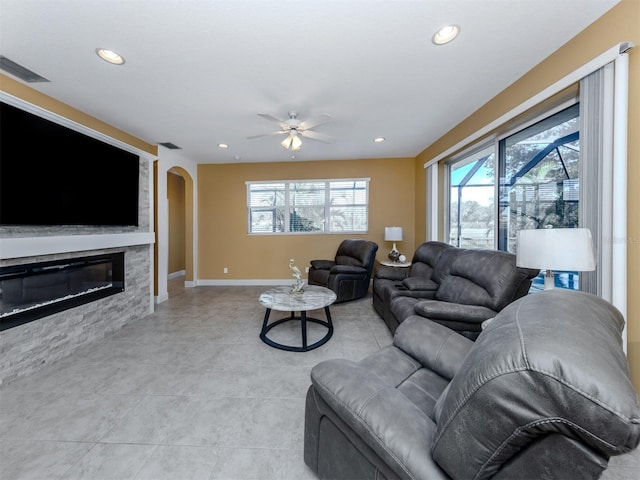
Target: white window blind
column 308, row 206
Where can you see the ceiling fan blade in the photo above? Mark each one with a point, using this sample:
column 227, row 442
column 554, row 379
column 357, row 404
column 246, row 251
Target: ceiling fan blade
column 271, row 118
column 279, row 132
column 320, row 137
column 316, row 122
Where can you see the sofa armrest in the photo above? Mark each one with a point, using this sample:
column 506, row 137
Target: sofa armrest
column 322, row 264
column 438, row 310
column 387, row 421
column 392, row 273
column 435, row 346
column 349, row 269
column 420, row 284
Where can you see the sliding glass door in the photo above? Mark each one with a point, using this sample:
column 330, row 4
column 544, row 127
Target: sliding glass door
column 471, row 200
column 539, row 182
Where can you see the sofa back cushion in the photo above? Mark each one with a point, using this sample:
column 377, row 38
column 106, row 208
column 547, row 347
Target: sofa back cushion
column 443, row 265
column 550, row 363
column 488, row 278
column 425, row 258
column 357, row 253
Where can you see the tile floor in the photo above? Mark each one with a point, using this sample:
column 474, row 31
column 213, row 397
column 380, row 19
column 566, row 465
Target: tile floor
column 189, row 392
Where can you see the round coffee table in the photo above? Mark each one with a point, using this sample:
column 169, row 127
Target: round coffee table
column 282, row 299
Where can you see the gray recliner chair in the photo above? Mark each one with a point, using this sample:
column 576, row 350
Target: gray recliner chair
column 349, row 273
column 543, row 393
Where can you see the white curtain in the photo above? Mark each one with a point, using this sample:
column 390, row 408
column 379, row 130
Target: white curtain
column 432, row 202
column 603, row 178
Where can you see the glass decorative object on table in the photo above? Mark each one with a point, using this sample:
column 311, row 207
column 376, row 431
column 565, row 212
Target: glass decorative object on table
column 297, row 287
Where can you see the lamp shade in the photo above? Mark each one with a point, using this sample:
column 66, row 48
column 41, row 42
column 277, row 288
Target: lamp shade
column 569, row 249
column 393, row 234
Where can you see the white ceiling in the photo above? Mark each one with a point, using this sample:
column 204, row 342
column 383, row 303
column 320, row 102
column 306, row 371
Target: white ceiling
column 198, row 72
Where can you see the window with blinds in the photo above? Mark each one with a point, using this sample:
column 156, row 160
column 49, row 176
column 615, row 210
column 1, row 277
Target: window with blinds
column 308, row 206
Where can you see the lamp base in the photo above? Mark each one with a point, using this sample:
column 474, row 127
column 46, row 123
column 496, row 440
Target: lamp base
column 394, row 254
column 549, row 280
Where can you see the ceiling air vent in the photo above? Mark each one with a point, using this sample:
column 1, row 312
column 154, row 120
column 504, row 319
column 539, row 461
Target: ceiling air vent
column 170, row 145
column 19, row 71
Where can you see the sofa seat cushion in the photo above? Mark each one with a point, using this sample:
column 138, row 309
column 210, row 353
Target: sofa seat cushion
column 395, row 428
column 399, row 370
column 531, row 375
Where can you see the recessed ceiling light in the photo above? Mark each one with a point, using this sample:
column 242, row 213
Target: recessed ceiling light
column 223, row 145
column 446, row 34
column 110, row 56
column 379, row 139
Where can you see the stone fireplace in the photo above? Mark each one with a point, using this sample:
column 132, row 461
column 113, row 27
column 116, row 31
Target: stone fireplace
column 27, row 346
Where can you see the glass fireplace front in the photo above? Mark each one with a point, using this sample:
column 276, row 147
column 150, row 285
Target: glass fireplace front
column 32, row 291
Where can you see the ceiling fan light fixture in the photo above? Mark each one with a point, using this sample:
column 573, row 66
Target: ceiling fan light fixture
column 292, row 141
column 446, row 34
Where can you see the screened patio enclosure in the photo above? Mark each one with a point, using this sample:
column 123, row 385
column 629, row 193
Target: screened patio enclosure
column 539, row 187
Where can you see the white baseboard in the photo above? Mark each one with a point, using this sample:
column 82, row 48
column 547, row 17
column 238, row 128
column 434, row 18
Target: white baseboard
column 161, row 298
column 179, row 273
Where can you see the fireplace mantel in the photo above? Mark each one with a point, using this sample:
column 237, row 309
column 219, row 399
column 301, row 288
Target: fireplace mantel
column 19, row 247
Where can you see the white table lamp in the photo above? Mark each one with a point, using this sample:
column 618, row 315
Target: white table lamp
column 569, row 249
column 393, row 234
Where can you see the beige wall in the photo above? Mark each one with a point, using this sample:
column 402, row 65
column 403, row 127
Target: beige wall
column 222, row 212
column 620, row 24
column 176, row 196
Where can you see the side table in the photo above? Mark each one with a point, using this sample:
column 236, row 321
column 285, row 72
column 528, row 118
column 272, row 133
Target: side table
column 387, row 263
column 313, row 297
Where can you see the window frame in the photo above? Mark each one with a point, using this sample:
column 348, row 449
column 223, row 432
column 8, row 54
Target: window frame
column 498, row 141
column 287, row 206
column 503, row 243
column 450, row 162
column 507, row 130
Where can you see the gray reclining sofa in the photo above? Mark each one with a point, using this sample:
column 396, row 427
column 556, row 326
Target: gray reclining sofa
column 459, row 288
column 543, row 393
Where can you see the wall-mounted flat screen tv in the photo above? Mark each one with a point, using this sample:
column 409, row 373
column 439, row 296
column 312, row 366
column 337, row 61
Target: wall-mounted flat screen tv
column 53, row 175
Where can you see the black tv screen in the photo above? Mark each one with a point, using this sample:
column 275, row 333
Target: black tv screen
column 53, row 175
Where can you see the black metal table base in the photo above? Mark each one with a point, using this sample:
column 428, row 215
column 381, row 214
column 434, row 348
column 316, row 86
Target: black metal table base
column 266, row 327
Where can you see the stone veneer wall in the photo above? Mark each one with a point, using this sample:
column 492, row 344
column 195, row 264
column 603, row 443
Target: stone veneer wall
column 25, row 348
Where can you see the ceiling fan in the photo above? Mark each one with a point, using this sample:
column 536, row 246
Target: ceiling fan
column 293, row 128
